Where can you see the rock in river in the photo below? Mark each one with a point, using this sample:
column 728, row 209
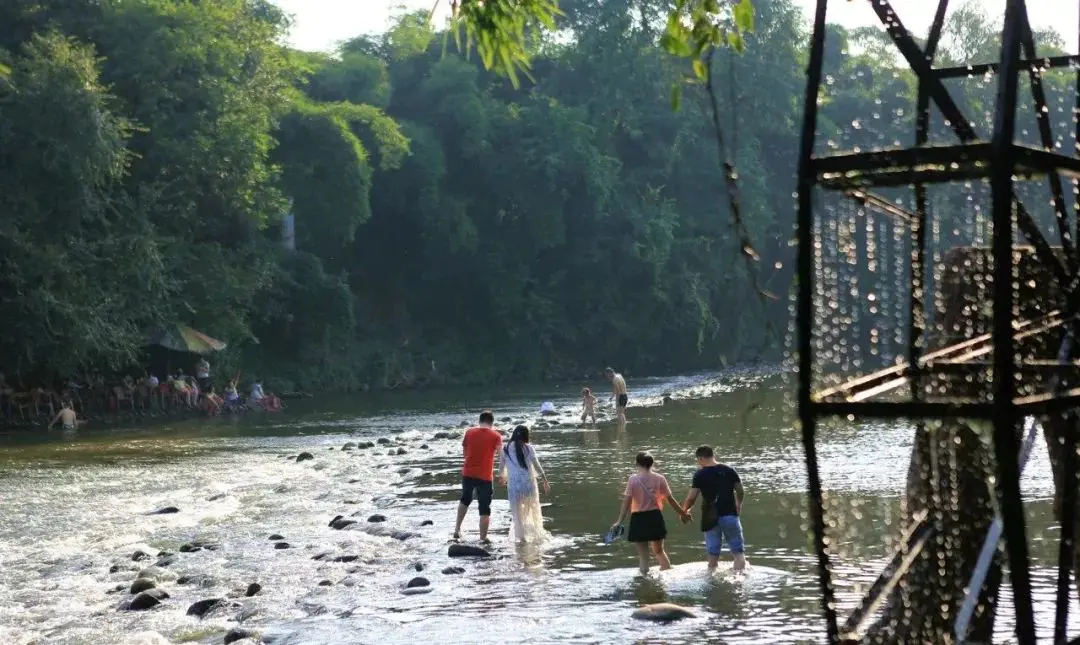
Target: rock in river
column 418, row 581
column 340, row 522
column 416, row 591
column 203, row 607
column 237, row 634
column 276, row 537
column 166, row 561
column 662, row 612
column 282, row 545
column 142, row 584
column 147, row 599
column 253, row 589
column 348, row 446
column 304, row 456
column 377, row 518
column 467, row 551
column 453, row 571
column 166, row 510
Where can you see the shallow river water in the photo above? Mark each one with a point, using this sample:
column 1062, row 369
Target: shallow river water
column 72, row 507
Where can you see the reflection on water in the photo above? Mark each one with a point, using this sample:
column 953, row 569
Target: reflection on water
column 76, row 506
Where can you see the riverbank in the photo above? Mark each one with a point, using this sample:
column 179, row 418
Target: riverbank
column 77, row 510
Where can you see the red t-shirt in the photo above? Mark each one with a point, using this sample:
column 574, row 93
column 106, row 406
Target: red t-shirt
column 481, row 444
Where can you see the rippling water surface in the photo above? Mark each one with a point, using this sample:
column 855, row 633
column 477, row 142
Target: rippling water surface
column 72, row 507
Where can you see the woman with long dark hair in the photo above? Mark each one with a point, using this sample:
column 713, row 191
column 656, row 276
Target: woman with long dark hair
column 646, row 492
column 519, row 469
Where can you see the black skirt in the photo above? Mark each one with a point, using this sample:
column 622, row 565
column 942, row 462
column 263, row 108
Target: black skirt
column 647, row 526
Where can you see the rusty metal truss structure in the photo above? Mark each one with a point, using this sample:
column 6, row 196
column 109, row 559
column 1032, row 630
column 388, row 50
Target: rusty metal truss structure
column 900, row 392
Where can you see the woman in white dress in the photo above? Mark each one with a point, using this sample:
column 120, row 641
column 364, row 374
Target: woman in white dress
column 519, row 469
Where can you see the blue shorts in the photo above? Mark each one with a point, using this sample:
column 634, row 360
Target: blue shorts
column 728, row 528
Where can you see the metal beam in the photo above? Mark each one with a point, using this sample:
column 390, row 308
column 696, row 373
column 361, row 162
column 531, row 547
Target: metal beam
column 1046, row 137
column 982, row 69
column 805, row 319
column 1007, row 481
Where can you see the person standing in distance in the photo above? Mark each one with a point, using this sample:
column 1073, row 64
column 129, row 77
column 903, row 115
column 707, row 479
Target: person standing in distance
column 480, row 445
column 618, row 391
column 722, row 496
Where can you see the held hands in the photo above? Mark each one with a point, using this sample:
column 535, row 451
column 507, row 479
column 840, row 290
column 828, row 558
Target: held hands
column 547, row 487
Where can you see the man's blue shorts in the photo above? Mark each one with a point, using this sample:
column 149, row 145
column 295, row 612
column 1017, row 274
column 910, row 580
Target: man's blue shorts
column 729, row 529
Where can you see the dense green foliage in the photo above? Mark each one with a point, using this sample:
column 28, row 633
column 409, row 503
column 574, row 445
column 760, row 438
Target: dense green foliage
column 449, row 225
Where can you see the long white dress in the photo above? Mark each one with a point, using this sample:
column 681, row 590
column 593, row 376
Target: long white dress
column 523, row 493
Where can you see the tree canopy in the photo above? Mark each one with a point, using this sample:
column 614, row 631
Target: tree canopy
column 450, row 225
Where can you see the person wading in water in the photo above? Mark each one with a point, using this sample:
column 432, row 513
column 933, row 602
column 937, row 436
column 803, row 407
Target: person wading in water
column 721, row 492
column 481, row 444
column 618, row 391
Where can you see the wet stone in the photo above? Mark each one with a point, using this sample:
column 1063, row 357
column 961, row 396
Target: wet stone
column 166, row 510
column 418, row 581
column 203, row 607
column 139, row 556
column 325, row 583
column 340, row 522
column 467, row 551
column 214, row 498
column 282, row 545
column 453, row 571
column 147, row 599
column 383, row 441
column 663, row 612
column 190, row 548
column 304, row 456
column 349, row 446
column 142, row 584
column 347, row 558
column 416, row 591
column 237, row 634
column 276, row 537
column 253, row 589
column 166, row 561
column 377, row 518
column 427, row 523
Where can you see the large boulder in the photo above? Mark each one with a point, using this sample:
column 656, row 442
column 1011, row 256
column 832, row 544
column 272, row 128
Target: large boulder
column 165, row 510
column 418, row 581
column 253, row 589
column 663, row 612
column 304, row 456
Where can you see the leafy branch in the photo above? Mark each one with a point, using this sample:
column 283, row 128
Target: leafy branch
column 497, row 28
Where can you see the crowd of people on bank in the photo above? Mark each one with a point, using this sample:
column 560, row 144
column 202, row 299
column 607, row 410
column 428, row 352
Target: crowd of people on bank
column 517, row 466
column 94, row 394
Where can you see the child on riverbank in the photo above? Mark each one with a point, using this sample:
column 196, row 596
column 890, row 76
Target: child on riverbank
column 588, row 405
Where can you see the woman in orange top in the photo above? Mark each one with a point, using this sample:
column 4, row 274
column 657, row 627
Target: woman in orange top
column 644, row 498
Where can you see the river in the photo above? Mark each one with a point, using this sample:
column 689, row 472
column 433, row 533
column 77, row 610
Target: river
column 75, row 507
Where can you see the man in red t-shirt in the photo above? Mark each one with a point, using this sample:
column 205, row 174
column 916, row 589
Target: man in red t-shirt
column 480, row 445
